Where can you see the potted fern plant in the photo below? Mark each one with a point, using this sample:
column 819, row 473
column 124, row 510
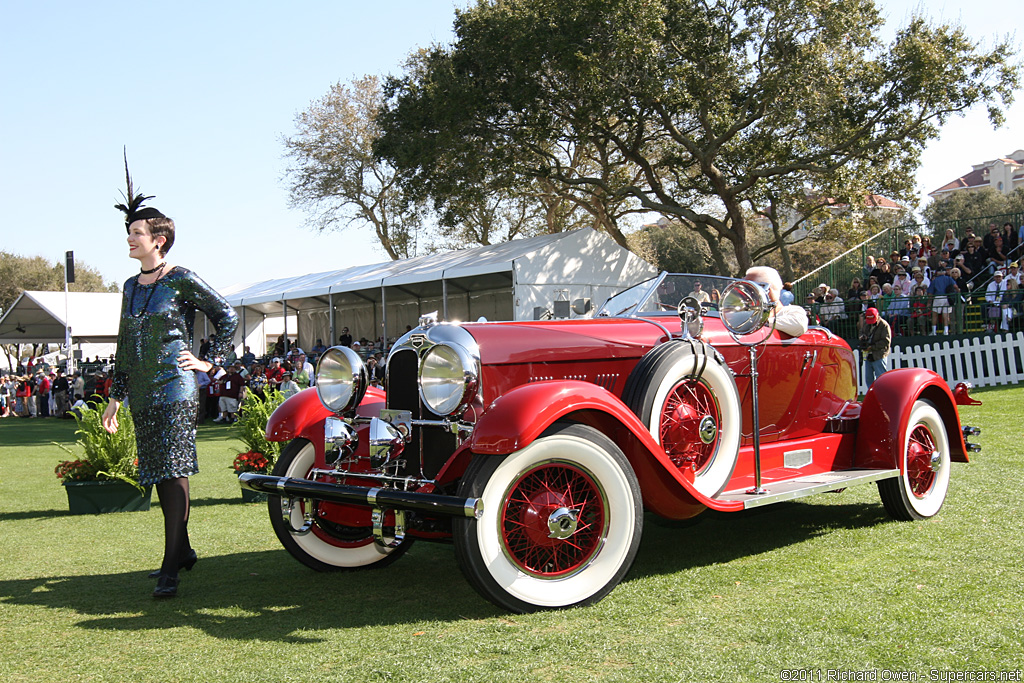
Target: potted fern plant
column 104, row 477
column 260, row 454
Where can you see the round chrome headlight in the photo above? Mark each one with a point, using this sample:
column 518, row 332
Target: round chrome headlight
column 448, row 379
column 341, row 379
column 744, row 307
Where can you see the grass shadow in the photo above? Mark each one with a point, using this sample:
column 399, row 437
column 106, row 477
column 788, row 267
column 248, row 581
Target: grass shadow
column 264, row 596
column 49, row 514
column 32, row 514
column 37, row 431
column 269, row 596
column 236, row 500
column 718, row 537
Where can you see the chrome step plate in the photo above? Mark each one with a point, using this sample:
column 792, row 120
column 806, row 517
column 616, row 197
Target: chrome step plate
column 809, row 485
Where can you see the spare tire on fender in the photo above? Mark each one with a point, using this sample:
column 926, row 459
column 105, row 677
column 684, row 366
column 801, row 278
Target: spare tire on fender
column 687, row 396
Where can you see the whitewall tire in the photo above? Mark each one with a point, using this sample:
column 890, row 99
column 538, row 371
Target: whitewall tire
column 327, row 546
column 687, row 397
column 561, row 525
column 920, row 490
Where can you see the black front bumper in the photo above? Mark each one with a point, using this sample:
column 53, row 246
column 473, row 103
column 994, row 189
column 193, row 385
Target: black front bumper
column 384, row 498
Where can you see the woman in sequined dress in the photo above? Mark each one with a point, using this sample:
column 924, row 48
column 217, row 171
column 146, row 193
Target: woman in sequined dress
column 155, row 371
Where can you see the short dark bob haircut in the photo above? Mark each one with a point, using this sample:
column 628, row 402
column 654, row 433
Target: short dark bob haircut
column 161, row 226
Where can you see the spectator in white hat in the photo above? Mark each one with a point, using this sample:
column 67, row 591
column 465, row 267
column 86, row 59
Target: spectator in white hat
column 274, row 372
column 994, row 297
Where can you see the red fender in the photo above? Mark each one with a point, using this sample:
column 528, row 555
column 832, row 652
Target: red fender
column 886, row 411
column 302, row 416
column 519, row 416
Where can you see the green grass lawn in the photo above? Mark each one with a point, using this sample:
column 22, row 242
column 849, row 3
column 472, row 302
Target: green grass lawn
column 826, row 583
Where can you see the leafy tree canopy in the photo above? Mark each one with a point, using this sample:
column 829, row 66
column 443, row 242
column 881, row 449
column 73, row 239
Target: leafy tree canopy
column 18, row 273
column 702, row 111
column 964, row 204
column 334, row 176
column 673, row 247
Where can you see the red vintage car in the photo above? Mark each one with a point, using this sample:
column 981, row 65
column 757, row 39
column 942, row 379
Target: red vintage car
column 535, row 447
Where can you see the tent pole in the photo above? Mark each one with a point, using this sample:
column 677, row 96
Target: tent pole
column 330, row 333
column 444, row 299
column 384, row 319
column 284, row 309
column 69, row 362
column 243, row 330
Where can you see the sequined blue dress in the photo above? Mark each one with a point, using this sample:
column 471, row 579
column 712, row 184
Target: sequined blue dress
column 156, row 325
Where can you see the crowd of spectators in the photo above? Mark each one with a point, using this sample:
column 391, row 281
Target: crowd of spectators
column 918, row 289
column 287, row 368
column 37, row 391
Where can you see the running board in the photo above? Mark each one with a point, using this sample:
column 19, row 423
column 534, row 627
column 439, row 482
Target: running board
column 809, row 485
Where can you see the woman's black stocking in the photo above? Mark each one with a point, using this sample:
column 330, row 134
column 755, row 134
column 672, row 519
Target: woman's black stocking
column 173, row 495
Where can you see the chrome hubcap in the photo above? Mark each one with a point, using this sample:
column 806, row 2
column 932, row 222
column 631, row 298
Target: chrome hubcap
column 562, row 523
column 708, row 429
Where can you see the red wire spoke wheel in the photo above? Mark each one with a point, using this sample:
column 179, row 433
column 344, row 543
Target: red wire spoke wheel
column 553, row 520
column 920, row 490
column 920, row 451
column 561, row 522
column 685, row 394
column 341, row 537
column 690, row 423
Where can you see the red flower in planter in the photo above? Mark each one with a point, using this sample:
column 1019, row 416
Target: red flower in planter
column 76, row 470
column 251, row 461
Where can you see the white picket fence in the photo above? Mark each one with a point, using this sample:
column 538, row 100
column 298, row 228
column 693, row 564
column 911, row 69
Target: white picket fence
column 982, row 361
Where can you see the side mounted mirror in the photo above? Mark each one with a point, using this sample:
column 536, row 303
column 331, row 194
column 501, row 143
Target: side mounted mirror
column 745, row 307
column 690, row 314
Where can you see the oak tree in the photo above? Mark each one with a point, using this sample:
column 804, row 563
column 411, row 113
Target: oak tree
column 968, row 204
column 704, row 109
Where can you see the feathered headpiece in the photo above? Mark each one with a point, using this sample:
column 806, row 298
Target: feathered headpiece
column 132, row 207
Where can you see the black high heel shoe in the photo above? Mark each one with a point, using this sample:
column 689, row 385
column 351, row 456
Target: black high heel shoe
column 185, row 563
column 166, row 587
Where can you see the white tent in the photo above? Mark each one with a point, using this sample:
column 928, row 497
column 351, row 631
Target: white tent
column 515, row 280
column 39, row 318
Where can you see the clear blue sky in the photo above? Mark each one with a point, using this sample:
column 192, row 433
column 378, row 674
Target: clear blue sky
column 202, row 93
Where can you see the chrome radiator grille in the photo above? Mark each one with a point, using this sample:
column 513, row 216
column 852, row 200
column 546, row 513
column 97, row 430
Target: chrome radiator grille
column 430, row 447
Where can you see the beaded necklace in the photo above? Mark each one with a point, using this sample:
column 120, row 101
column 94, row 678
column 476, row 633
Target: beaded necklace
column 151, row 285
column 145, row 305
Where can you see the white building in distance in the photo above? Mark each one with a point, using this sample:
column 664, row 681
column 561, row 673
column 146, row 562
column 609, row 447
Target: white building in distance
column 1005, row 175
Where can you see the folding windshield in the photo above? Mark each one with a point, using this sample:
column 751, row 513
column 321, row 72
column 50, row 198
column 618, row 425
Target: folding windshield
column 661, row 295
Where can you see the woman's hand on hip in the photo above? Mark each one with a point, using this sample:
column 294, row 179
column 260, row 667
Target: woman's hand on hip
column 109, row 418
column 186, row 361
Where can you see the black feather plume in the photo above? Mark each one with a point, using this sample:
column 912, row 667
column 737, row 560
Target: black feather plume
column 132, row 202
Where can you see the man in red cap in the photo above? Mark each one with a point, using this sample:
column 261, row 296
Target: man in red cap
column 875, row 340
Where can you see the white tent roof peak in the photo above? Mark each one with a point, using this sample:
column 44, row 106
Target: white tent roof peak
column 94, row 317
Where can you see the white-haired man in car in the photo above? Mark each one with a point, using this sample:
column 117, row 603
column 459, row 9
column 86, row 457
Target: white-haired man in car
column 791, row 320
